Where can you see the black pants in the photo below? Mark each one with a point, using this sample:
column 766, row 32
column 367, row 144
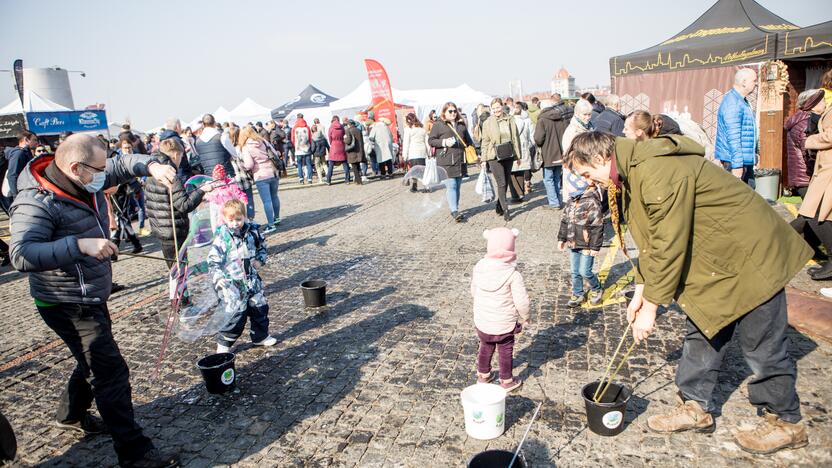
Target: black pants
column 100, row 373
column 501, row 171
column 356, row 173
column 168, row 249
column 386, row 168
column 803, row 226
column 761, row 335
column 234, row 328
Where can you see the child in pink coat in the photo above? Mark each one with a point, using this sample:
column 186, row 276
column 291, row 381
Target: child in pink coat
column 501, row 305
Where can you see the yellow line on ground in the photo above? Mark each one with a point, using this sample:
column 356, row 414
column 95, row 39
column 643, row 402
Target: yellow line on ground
column 611, row 294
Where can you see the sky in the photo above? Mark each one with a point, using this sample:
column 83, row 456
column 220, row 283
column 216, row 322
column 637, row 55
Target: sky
column 148, row 60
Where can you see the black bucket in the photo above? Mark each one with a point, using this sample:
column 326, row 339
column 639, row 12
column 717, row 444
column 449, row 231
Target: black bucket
column 497, row 459
column 606, row 417
column 218, row 372
column 8, row 443
column 314, row 293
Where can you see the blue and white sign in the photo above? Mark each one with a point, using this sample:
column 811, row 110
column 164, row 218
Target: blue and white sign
column 46, row 123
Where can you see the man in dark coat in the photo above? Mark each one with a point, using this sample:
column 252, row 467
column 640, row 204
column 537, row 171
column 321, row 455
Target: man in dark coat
column 17, row 158
column 610, row 120
column 548, row 135
column 354, row 146
column 59, row 227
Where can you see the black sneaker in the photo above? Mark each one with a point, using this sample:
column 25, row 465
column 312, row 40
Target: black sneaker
column 6, row 261
column 498, row 209
column 458, row 217
column 89, row 425
column 153, row 459
column 117, row 287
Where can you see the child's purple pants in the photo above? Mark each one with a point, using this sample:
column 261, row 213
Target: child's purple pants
column 505, row 350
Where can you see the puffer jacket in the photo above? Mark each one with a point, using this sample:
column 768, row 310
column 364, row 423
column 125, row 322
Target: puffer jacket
column 500, row 297
column 582, row 222
column 157, row 205
column 46, row 224
column 548, row 135
column 736, row 131
column 795, row 148
column 336, row 142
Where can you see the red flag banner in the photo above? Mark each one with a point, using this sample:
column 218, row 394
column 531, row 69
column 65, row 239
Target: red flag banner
column 382, row 105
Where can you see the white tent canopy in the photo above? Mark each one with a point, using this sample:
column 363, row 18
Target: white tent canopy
column 221, row 114
column 249, row 111
column 425, row 100
column 422, row 100
column 32, row 102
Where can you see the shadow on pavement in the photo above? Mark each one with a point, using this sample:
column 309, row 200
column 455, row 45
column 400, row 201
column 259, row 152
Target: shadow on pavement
column 313, row 217
column 553, row 343
column 275, row 394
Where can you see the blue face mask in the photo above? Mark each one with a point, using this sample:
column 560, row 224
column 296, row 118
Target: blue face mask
column 97, row 182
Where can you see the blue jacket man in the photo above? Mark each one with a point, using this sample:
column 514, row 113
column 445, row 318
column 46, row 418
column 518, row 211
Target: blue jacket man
column 736, row 133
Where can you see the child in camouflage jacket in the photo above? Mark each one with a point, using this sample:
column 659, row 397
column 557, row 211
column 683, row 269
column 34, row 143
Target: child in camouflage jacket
column 237, row 251
column 582, row 232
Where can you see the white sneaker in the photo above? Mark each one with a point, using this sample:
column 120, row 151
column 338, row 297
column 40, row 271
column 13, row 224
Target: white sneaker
column 223, row 349
column 268, row 341
column 826, row 292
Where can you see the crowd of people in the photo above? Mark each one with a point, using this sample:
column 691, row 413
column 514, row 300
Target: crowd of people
column 685, row 213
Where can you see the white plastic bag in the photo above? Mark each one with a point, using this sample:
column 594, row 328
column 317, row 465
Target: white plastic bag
column 485, row 187
column 431, row 175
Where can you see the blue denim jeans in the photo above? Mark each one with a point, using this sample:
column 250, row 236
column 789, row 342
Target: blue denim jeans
column 331, row 166
column 553, row 181
column 271, row 202
column 581, row 266
column 138, row 202
column 304, row 160
column 452, row 184
column 250, row 205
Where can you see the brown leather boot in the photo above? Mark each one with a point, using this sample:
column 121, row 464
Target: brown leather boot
column 771, row 435
column 686, row 416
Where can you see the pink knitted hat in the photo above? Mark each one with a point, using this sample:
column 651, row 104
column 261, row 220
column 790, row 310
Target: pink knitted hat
column 501, row 243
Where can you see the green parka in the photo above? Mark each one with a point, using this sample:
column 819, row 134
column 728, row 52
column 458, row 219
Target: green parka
column 705, row 238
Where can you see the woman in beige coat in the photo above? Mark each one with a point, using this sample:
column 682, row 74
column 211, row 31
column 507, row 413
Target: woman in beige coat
column 817, row 205
column 499, row 129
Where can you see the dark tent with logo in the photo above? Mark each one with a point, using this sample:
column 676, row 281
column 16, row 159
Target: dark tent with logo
column 309, row 98
column 690, row 72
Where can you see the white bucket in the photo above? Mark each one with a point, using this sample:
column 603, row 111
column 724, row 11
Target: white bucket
column 485, row 410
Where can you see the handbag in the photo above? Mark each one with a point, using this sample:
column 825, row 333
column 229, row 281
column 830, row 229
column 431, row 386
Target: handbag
column 504, row 151
column 349, row 147
column 470, row 151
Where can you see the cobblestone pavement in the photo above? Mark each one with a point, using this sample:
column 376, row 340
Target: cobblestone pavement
column 374, row 379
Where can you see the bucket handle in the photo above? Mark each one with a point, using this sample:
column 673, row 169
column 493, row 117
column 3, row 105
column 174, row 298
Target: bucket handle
column 599, row 393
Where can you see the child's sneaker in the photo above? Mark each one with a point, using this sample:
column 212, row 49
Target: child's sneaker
column 270, row 229
column 512, row 384
column 268, row 341
column 575, row 301
column 223, row 349
column 596, row 296
column 484, row 378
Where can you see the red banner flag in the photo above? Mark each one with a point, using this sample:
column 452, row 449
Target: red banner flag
column 382, row 105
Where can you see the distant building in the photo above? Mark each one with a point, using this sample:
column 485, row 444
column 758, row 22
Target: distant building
column 597, row 90
column 564, row 84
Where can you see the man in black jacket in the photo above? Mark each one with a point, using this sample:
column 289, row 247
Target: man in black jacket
column 17, row 158
column 58, row 229
column 610, row 120
column 548, row 135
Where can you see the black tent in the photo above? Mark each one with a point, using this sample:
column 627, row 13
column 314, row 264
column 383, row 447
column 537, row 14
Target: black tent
column 809, row 42
column 309, row 98
column 731, row 32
